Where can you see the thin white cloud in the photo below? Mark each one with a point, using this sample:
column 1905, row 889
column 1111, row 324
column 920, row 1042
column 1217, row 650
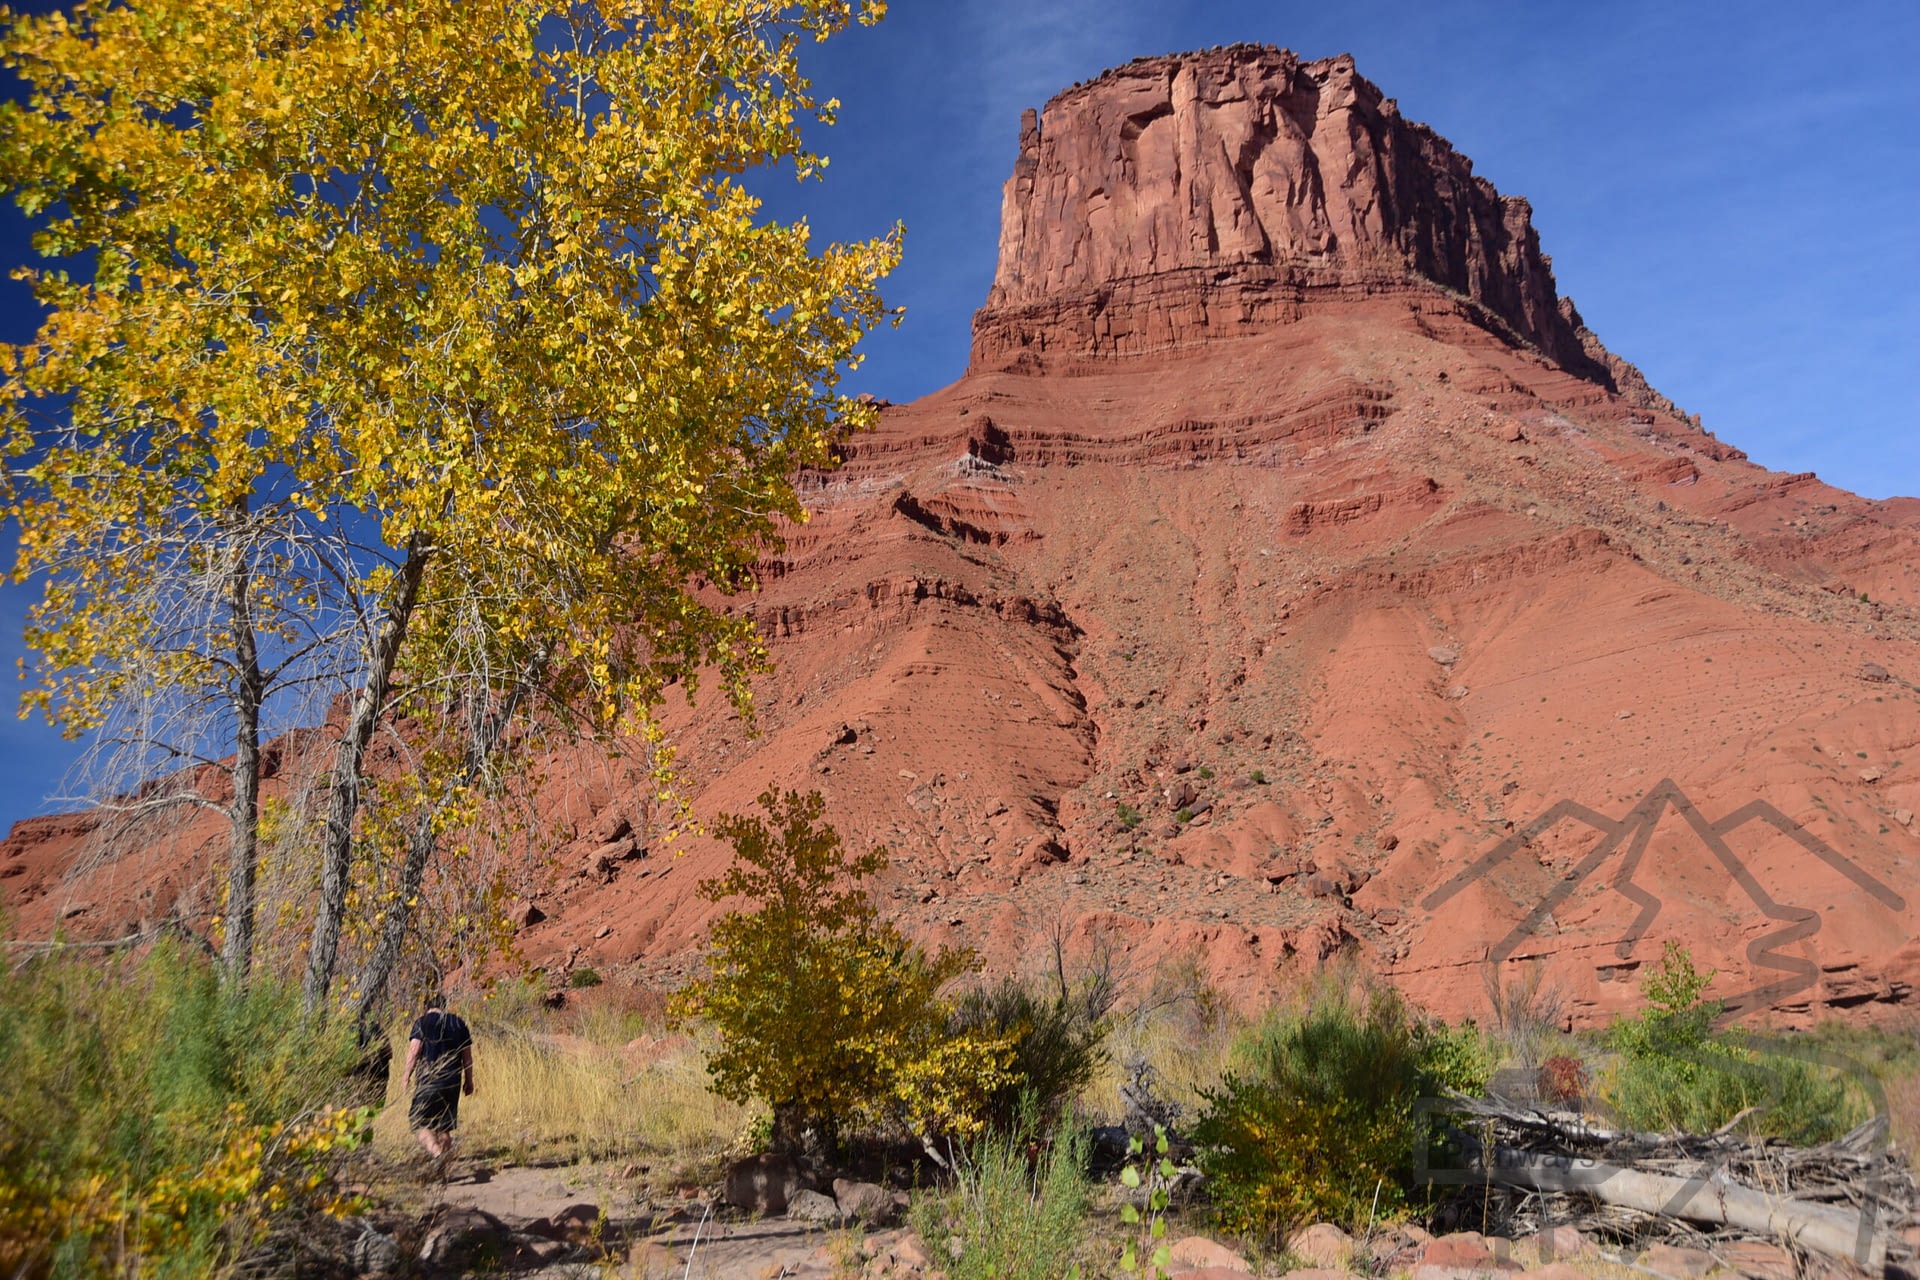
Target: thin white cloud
column 1019, row 53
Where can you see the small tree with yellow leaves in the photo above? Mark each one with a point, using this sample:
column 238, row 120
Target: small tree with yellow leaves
column 826, row 1012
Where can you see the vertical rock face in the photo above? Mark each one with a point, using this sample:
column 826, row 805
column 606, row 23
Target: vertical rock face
column 1177, row 197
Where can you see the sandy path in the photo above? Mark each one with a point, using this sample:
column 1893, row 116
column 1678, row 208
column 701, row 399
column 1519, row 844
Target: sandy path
column 652, row 1240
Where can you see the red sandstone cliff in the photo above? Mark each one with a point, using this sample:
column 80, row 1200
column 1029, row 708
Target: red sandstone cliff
column 1285, row 506
column 1179, row 199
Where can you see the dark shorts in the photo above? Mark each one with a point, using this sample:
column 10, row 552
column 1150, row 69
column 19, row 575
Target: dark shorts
column 436, row 1107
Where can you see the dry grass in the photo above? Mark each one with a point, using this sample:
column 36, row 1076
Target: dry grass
column 1890, row 1053
column 600, row 1080
column 1903, row 1111
column 579, row 1100
column 1182, row 1030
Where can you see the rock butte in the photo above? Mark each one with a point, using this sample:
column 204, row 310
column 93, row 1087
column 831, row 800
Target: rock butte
column 1285, row 504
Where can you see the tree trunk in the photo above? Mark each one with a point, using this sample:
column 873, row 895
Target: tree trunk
column 483, row 737
column 344, row 795
column 248, row 691
column 789, row 1132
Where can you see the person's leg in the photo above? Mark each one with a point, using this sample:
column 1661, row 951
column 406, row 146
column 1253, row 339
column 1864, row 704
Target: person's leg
column 443, row 1158
column 432, row 1120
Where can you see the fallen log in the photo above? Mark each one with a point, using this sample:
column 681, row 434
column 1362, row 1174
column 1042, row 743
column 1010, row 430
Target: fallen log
column 1715, row 1201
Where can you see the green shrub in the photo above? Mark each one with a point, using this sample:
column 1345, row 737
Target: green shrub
column 583, row 977
column 1128, row 815
column 1321, row 1116
column 152, row 1119
column 1018, row 1207
column 1058, row 1039
column 1184, row 815
column 1675, row 1072
column 1459, row 1059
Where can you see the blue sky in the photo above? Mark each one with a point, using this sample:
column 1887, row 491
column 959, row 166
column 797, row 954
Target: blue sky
column 1731, row 203
column 1729, row 192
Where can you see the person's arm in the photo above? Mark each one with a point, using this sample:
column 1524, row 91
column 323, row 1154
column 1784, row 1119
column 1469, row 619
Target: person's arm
column 413, row 1057
column 466, row 1064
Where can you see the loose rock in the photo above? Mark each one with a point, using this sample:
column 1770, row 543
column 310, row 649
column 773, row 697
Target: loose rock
column 575, row 1222
column 1202, row 1254
column 375, row 1251
column 1560, row 1242
column 1757, row 1260
column 1323, row 1245
column 1677, row 1263
column 811, row 1206
column 865, row 1202
column 1460, row 1256
column 763, row 1184
column 541, row 1249
column 464, row 1238
column 910, row 1251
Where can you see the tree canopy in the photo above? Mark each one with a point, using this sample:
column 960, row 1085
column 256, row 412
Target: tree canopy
column 462, row 302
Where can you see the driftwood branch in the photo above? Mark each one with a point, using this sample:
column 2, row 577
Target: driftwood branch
column 1715, row 1200
column 1843, row 1199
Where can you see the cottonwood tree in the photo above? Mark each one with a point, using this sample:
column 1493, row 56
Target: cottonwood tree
column 191, row 636
column 475, row 280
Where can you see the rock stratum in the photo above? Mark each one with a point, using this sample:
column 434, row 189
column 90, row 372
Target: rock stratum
column 1292, row 575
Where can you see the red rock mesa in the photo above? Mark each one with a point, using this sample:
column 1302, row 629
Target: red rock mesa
column 1287, row 553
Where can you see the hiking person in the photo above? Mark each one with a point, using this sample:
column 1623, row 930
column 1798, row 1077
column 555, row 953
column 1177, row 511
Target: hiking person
column 440, row 1051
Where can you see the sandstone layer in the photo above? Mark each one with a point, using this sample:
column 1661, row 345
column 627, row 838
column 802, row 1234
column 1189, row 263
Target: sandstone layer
column 1291, row 575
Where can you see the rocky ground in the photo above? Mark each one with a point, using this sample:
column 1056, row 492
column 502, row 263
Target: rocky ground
column 588, row 1221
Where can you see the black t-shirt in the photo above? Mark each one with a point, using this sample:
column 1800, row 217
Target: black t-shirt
column 442, row 1036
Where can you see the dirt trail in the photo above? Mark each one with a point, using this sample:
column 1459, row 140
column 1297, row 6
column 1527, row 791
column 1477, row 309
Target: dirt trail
column 694, row 1238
